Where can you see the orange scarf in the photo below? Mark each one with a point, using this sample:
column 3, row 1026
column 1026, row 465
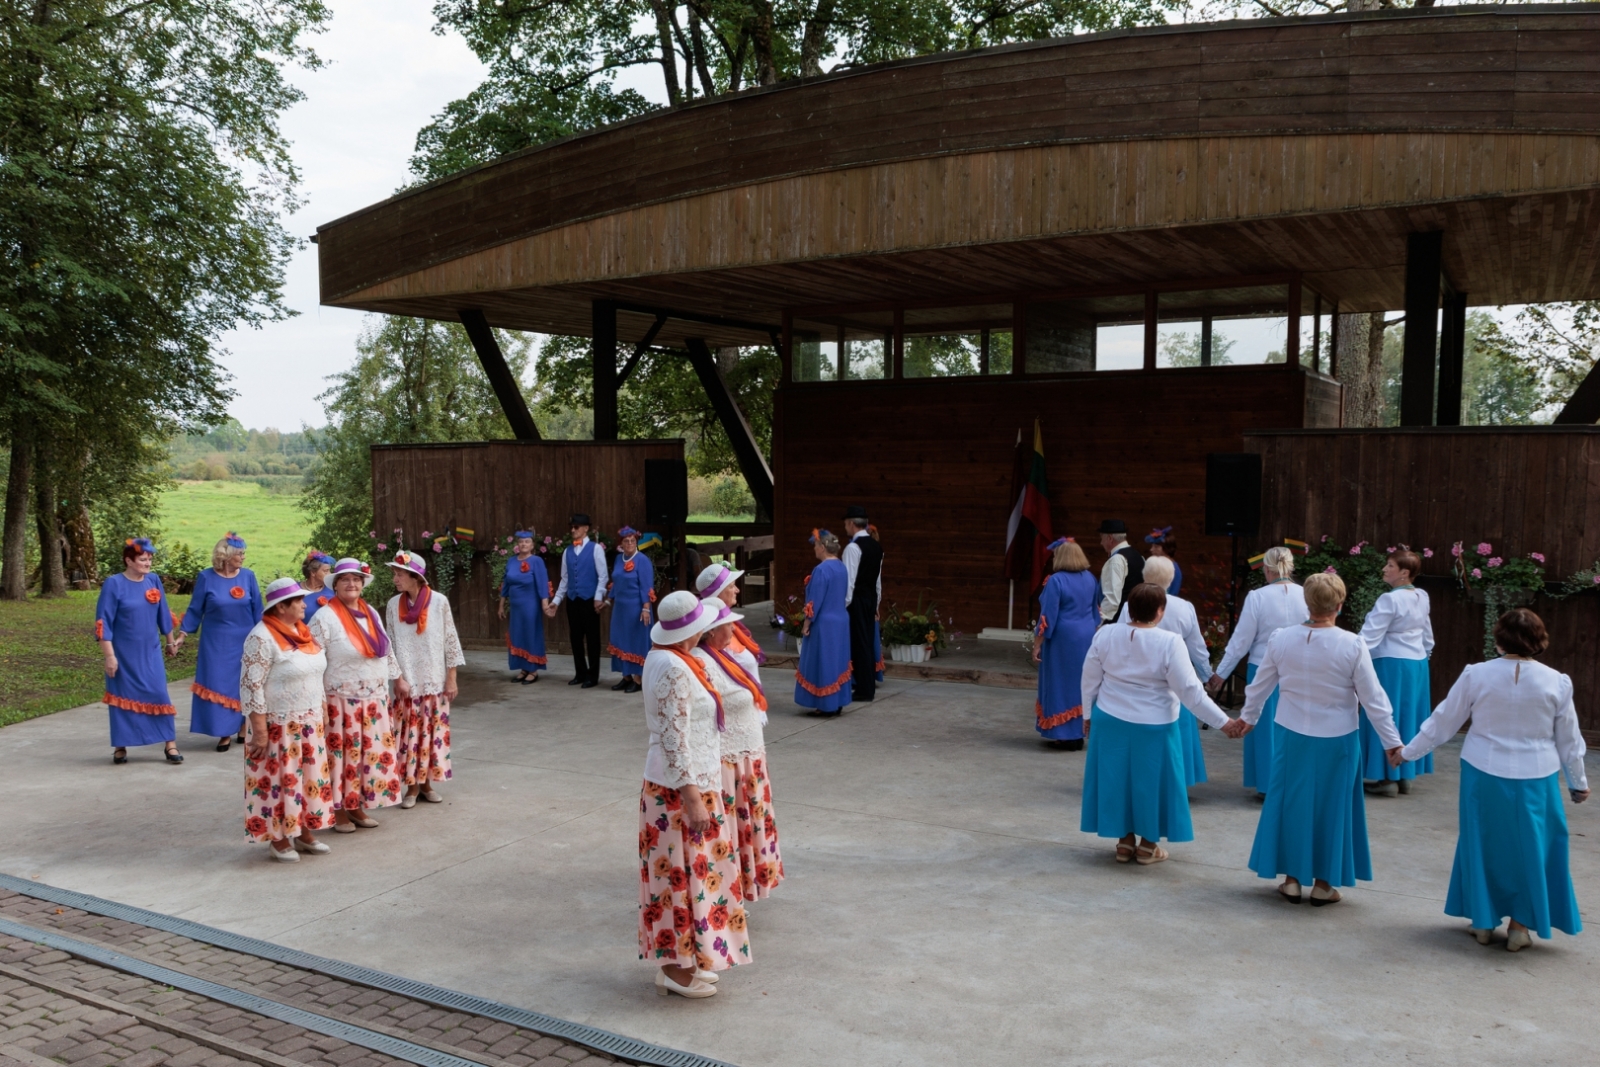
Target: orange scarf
column 371, row 645
column 747, row 641
column 296, row 638
column 705, row 680
column 416, row 613
column 732, row 668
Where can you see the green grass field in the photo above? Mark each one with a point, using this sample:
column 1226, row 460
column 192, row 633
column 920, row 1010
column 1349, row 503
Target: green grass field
column 199, row 513
column 50, row 661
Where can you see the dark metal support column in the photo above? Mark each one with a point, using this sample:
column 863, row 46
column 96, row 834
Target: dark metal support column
column 501, row 380
column 1584, row 407
column 757, row 475
column 1424, row 265
column 605, row 370
column 1452, row 358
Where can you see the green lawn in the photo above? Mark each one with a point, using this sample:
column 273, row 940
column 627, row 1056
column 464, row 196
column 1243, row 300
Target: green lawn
column 199, row 513
column 50, row 661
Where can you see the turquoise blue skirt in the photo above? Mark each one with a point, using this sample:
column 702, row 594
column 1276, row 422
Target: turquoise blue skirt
column 1511, row 854
column 1194, row 760
column 1258, row 742
column 1405, row 682
column 1133, row 780
column 1314, row 822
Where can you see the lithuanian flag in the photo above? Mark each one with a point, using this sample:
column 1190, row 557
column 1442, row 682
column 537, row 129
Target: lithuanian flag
column 1028, row 531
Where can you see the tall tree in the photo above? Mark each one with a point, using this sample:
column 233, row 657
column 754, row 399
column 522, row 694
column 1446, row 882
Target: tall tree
column 143, row 173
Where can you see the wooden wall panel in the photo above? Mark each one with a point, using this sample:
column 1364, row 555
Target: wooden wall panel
column 495, row 487
column 1522, row 489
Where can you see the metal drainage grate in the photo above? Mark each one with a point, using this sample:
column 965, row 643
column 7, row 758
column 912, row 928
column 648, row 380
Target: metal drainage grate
column 624, row 1048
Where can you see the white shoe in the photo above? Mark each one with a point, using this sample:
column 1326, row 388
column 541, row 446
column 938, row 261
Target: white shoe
column 410, row 801
column 316, row 848
column 1483, row 936
column 285, row 855
column 708, row 977
column 431, row 797
column 344, row 827
column 695, row 990
column 1518, row 940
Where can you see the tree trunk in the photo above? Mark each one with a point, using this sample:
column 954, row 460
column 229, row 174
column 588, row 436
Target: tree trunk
column 669, row 51
column 14, row 540
column 77, row 533
column 815, row 39
column 1361, row 368
column 761, row 38
column 1376, row 329
column 52, row 573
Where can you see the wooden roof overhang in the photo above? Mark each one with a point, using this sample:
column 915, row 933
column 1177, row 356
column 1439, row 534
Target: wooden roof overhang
column 1245, row 148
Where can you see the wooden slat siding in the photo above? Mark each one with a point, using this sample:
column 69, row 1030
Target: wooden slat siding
column 1144, row 84
column 494, row 487
column 1521, row 489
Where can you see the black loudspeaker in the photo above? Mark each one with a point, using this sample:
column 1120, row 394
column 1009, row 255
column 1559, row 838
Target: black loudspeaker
column 1233, row 493
column 666, row 491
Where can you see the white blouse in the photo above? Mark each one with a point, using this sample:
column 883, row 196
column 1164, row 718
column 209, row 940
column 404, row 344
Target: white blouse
column 1324, row 677
column 346, row 665
column 1398, row 626
column 1523, row 722
column 284, row 686
column 1141, row 675
column 1181, row 619
column 1266, row 611
column 740, row 715
column 424, row 658
column 682, row 719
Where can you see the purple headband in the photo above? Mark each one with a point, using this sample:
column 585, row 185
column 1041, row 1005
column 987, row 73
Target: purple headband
column 523, row 533
column 627, row 531
column 717, row 584
column 687, row 620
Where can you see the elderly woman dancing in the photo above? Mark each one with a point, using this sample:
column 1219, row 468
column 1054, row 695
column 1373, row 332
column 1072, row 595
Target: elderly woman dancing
column 632, row 595
column 823, row 681
column 1135, row 679
column 363, row 758
column 288, row 792
column 691, row 915
column 722, row 582
column 1069, row 615
column 1180, row 618
column 524, row 596
column 1267, row 610
column 746, row 791
column 1511, row 844
column 423, row 634
column 130, row 620
column 225, row 606
column 1399, row 634
column 1313, row 826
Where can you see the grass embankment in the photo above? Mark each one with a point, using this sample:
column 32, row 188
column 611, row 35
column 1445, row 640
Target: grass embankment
column 200, row 513
column 50, row 661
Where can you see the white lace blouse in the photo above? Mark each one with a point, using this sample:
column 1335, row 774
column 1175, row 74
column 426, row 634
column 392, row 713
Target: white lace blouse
column 346, row 665
column 284, row 686
column 424, row 658
column 739, row 712
column 682, row 719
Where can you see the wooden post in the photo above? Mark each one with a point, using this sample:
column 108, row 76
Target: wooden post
column 1424, row 255
column 605, row 370
column 1205, row 340
column 983, row 351
column 1452, row 358
column 757, row 475
column 1333, row 343
column 1150, row 310
column 1316, row 333
column 501, row 380
column 1291, row 348
column 785, row 348
column 1019, row 336
column 897, row 359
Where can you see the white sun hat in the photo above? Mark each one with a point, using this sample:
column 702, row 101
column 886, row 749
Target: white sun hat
column 715, row 578
column 279, row 590
column 683, row 615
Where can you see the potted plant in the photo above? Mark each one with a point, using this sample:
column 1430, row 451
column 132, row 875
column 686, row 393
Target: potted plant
column 1498, row 583
column 913, row 636
column 790, row 623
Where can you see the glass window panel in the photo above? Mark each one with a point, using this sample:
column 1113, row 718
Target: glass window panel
column 949, row 342
column 841, row 348
column 1222, row 327
column 1000, row 352
column 942, row 355
column 866, row 360
column 1084, row 334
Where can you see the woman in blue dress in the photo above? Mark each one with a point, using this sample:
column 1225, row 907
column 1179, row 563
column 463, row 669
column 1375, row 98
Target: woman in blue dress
column 130, row 620
column 1162, row 543
column 315, row 569
column 1399, row 635
column 1069, row 613
column 225, row 607
column 823, row 681
column 630, row 595
column 524, row 594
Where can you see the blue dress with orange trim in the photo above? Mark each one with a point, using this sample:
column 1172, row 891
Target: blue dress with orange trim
column 822, row 682
column 526, row 586
column 1068, row 617
column 223, row 611
column 633, row 589
column 134, row 617
column 315, row 601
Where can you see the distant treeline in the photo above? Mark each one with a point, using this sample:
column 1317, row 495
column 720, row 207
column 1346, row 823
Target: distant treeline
column 277, row 459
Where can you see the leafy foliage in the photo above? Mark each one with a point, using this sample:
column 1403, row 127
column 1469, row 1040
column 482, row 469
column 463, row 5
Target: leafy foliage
column 1360, row 567
column 1502, row 581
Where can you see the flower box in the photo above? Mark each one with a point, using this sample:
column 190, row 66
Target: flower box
column 910, row 653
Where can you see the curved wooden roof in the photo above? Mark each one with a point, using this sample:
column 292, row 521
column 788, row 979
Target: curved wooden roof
column 1157, row 154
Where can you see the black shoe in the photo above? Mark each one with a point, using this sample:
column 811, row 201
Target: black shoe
column 589, row 683
column 172, row 755
column 120, row 756
column 620, row 687
column 634, row 687
column 1075, row 745
column 579, row 680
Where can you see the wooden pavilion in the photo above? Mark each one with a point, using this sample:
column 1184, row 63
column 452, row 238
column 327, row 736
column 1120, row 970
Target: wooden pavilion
column 1141, row 237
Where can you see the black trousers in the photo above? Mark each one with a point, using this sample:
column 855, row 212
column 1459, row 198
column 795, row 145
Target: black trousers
column 584, row 623
column 863, row 659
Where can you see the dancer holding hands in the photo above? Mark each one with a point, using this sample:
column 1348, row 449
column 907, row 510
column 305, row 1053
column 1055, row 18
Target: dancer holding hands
column 1399, row 634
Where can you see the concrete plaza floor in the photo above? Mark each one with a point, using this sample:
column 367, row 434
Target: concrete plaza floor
column 941, row 906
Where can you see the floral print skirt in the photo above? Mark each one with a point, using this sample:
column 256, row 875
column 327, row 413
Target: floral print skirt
column 288, row 789
column 747, row 794
column 363, row 754
column 423, row 724
column 691, row 911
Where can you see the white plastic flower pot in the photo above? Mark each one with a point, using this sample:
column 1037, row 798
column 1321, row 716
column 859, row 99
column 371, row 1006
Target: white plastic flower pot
column 908, row 653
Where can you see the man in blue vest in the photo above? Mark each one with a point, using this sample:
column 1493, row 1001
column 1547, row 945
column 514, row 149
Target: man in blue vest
column 583, row 587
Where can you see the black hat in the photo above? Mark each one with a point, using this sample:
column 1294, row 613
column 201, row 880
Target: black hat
column 855, row 511
column 580, row 519
column 1112, row 526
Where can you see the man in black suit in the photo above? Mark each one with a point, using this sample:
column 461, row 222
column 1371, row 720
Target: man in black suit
column 863, row 565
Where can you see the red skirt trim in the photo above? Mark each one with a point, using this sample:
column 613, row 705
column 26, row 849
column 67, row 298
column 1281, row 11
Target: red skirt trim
column 125, row 704
column 1050, row 723
column 824, row 691
column 626, row 657
column 522, row 653
column 212, row 695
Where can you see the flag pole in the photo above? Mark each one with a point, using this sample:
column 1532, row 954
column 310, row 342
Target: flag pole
column 1011, row 604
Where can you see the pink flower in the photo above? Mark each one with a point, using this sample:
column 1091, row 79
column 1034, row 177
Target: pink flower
column 1427, row 553
column 1597, row 579
column 438, row 546
column 1330, row 570
column 427, row 533
column 1325, row 538
column 372, row 533
column 1389, row 551
column 382, row 547
column 1476, row 573
column 1484, row 548
column 1537, row 557
column 502, row 551
column 1495, row 561
column 1455, row 550
column 1356, row 551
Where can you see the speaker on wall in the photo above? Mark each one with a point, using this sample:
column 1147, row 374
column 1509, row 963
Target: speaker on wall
column 666, row 491
column 1233, row 493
